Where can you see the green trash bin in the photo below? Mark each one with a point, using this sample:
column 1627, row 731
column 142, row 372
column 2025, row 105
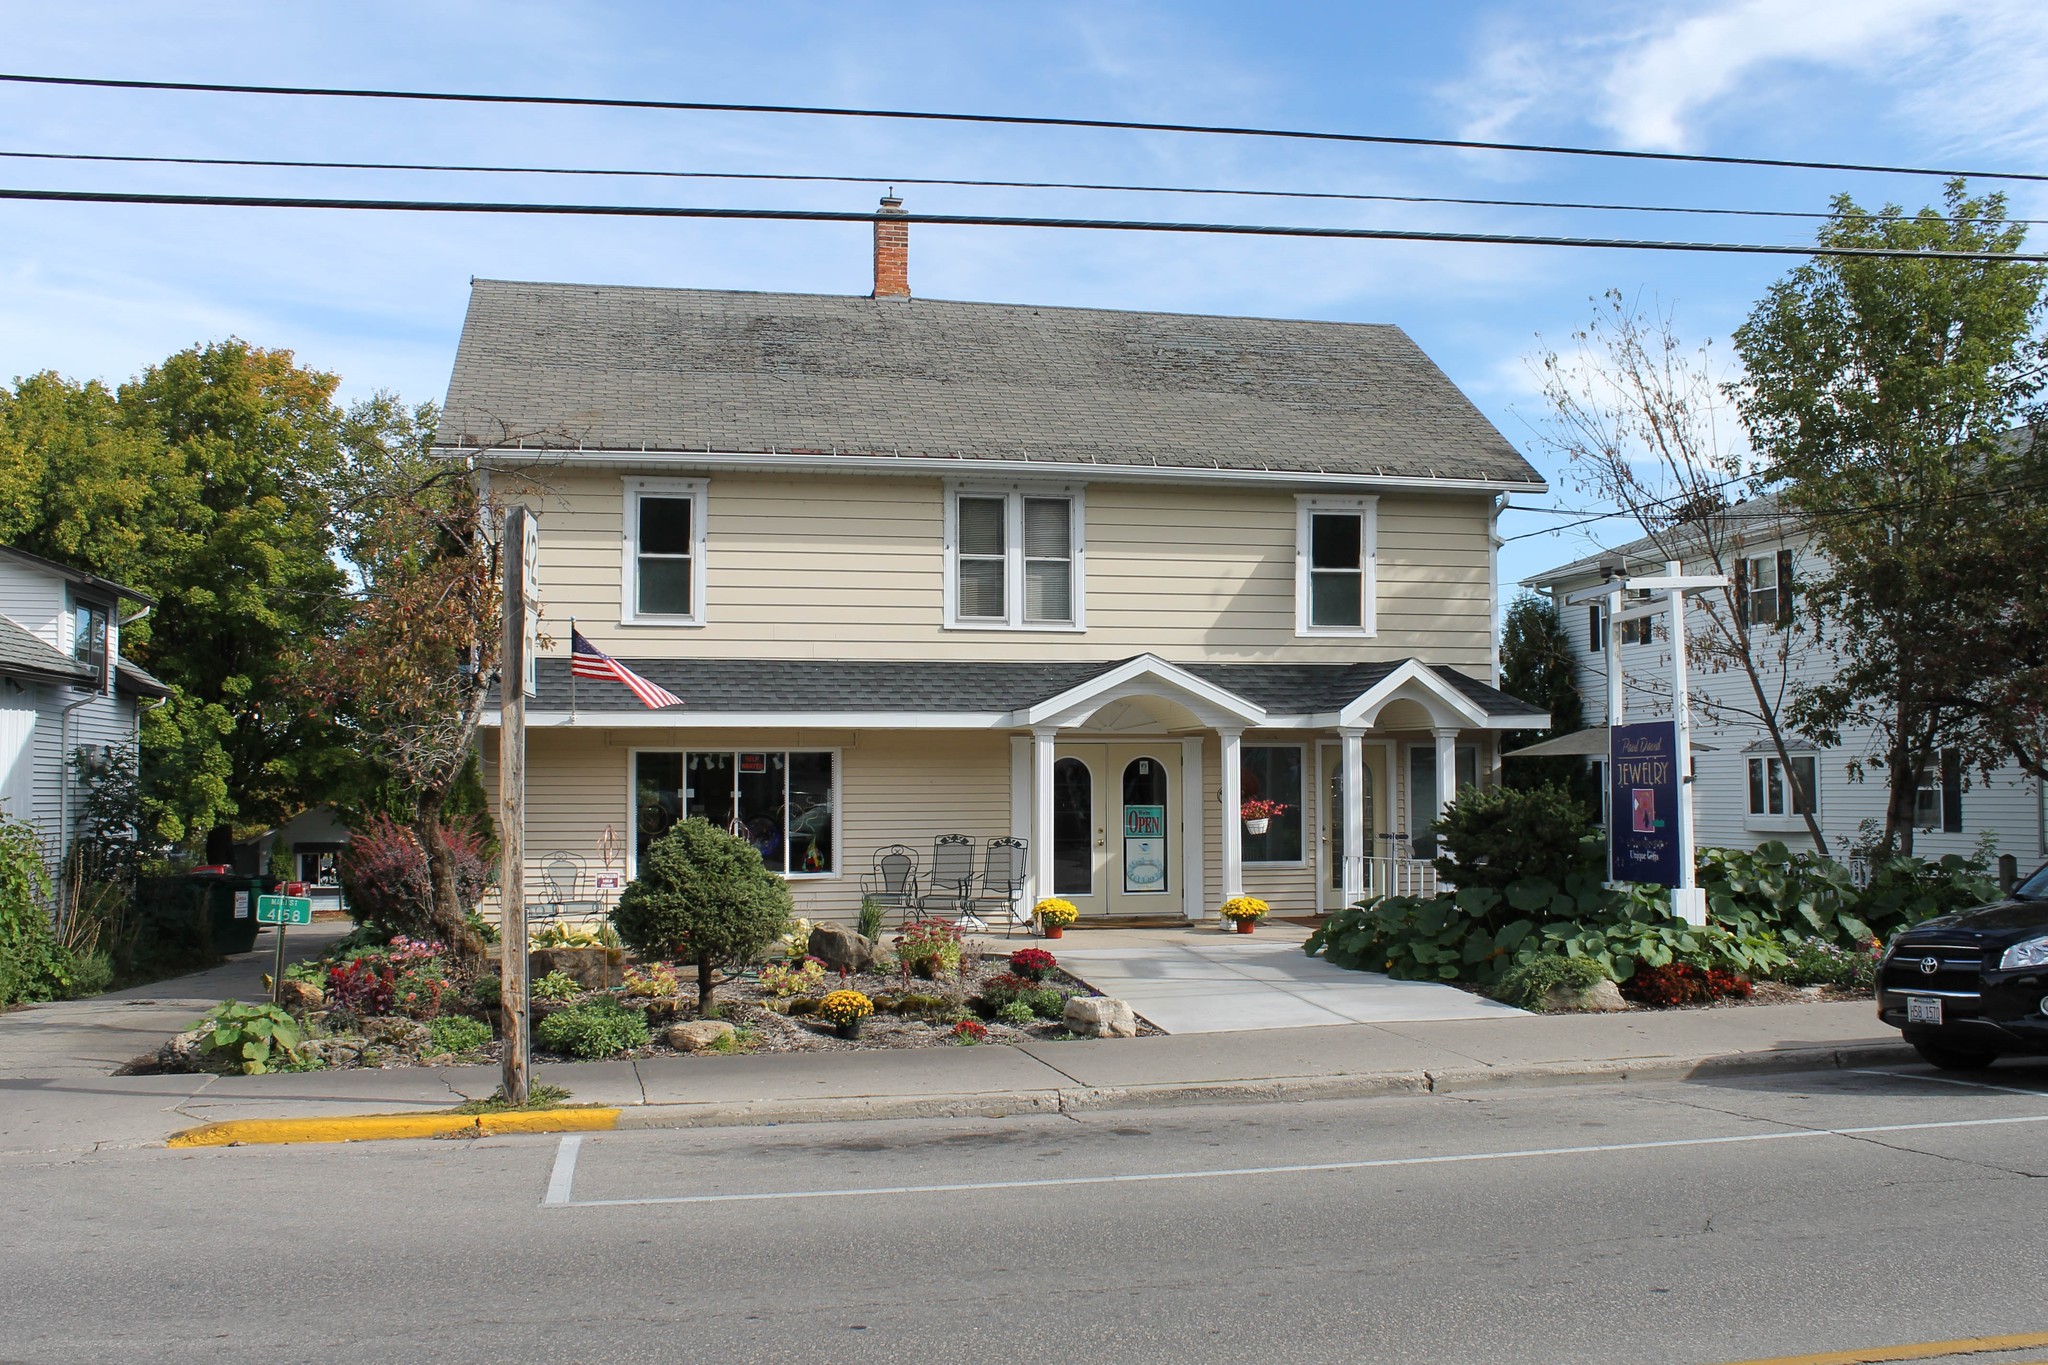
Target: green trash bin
column 231, row 909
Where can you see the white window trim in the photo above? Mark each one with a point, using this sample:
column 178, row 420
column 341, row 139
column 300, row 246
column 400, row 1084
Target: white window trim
column 697, row 491
column 1013, row 495
column 1764, row 820
column 103, row 685
column 632, row 821
column 1306, row 506
column 1307, row 827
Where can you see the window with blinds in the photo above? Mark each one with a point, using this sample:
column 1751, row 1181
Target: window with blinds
column 1014, row 560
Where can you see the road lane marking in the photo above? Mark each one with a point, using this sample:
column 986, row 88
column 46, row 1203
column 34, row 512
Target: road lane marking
column 565, row 1166
column 1924, row 1350
column 564, row 1175
column 1951, row 1080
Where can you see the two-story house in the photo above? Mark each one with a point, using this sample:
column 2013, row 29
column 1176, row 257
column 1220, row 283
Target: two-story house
column 1079, row 577
column 63, row 687
column 1743, row 793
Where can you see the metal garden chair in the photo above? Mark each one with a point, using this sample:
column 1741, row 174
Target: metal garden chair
column 1003, row 867
column 952, row 878
column 893, row 882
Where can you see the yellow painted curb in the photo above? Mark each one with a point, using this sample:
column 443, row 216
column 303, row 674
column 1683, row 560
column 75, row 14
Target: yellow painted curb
column 1925, row 1350
column 384, row 1127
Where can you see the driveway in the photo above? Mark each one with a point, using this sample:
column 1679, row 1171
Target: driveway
column 1199, row 980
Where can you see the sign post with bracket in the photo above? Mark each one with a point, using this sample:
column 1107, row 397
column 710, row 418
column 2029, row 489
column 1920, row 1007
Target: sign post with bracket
column 281, row 911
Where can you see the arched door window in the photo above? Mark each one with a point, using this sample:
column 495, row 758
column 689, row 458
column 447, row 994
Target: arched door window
column 1146, row 862
column 1073, row 828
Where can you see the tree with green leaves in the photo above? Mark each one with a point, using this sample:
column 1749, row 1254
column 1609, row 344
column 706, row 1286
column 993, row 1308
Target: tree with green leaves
column 1884, row 392
column 1536, row 666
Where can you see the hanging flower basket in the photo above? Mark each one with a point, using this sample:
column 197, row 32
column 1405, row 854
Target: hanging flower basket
column 1257, row 826
column 1258, row 814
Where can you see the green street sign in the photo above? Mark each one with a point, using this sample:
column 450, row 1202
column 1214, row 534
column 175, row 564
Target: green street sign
column 284, row 910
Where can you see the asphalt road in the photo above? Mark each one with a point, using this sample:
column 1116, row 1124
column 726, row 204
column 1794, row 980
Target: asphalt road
column 1684, row 1222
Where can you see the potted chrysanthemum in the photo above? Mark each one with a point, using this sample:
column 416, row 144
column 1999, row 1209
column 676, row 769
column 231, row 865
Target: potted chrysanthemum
column 1245, row 912
column 845, row 1010
column 1054, row 915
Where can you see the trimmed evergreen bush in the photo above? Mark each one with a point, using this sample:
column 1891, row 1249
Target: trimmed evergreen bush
column 702, row 896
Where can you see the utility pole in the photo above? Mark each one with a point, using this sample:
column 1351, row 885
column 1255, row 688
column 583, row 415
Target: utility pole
column 515, row 683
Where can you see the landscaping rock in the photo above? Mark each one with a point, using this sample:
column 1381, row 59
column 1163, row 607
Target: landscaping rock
column 698, row 1035
column 1602, row 997
column 400, row 1036
column 187, row 1053
column 300, row 997
column 594, row 969
column 343, row 1050
column 841, row 949
column 1100, row 1017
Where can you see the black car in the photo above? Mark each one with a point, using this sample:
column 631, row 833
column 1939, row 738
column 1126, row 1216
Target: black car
column 1971, row 987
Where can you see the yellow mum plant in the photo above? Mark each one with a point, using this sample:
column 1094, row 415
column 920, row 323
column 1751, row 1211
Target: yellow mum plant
column 845, row 1007
column 1053, row 910
column 1245, row 907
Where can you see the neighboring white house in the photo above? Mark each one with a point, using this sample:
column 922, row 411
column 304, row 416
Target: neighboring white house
column 63, row 686
column 1740, row 792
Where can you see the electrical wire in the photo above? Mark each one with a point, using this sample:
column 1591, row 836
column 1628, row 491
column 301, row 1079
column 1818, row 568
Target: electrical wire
column 1007, row 220
column 1018, row 120
column 785, row 177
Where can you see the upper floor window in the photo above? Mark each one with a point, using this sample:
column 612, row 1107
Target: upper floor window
column 1636, row 632
column 1763, row 589
column 664, row 552
column 1938, row 799
column 89, row 631
column 1014, row 559
column 1336, row 553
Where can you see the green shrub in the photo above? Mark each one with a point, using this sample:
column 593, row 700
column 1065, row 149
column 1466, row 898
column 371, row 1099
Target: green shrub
column 1043, row 1001
column 459, row 1033
column 34, row 965
column 702, row 896
column 252, row 1036
column 1017, row 1014
column 593, row 1029
column 1772, row 889
column 1496, row 836
column 1905, row 891
column 556, row 985
column 1813, row 963
column 488, row 992
column 1528, row 984
column 870, row 923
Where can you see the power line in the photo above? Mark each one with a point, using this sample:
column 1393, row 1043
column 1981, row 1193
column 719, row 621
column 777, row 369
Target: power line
column 787, row 177
column 1006, row 220
column 1019, row 120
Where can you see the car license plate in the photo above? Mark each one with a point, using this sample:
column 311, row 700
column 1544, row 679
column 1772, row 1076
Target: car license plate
column 1923, row 1009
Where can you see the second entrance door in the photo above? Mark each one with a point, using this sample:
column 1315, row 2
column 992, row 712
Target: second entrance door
column 1116, row 825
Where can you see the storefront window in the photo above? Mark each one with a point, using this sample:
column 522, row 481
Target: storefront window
column 1272, row 774
column 780, row 801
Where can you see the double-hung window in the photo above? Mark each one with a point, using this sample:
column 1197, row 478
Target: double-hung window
column 1336, row 553
column 1773, row 793
column 1636, row 632
column 1938, row 798
column 664, row 552
column 1014, row 559
column 1763, row 589
column 89, row 639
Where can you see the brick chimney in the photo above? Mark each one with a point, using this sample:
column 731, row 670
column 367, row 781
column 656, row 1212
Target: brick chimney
column 892, row 251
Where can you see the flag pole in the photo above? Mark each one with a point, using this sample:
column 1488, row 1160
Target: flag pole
column 572, row 670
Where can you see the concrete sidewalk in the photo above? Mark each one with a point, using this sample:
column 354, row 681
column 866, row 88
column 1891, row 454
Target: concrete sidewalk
column 70, row 1112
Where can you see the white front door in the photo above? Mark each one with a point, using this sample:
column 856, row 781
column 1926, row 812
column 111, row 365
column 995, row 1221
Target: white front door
column 1116, row 827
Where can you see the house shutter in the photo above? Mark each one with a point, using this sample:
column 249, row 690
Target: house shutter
column 1951, row 792
column 1742, row 591
column 1784, row 587
column 1593, row 640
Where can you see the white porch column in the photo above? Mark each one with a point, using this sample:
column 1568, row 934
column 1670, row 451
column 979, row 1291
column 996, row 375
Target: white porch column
column 1194, row 839
column 1041, row 814
column 1446, row 767
column 1353, row 816
column 1233, row 804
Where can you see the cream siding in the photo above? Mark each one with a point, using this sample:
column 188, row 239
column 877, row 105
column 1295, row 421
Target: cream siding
column 853, row 567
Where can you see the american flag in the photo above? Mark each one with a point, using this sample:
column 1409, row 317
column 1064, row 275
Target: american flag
column 588, row 661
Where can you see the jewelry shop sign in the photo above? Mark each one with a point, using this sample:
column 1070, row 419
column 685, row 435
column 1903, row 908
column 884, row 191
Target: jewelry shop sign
column 1642, row 810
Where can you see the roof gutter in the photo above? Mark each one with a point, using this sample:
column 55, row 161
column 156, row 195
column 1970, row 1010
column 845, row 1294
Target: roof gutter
column 959, row 466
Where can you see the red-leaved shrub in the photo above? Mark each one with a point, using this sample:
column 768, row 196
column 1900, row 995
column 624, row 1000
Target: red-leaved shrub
column 384, row 874
column 1681, row 983
column 361, row 988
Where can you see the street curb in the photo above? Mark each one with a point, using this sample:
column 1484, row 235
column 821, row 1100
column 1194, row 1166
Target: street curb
column 385, row 1127
column 1009, row 1103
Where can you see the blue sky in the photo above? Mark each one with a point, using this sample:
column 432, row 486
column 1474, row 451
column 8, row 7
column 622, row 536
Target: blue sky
column 96, row 291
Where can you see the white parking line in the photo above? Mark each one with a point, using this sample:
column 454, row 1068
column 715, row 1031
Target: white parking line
column 1951, row 1080
column 559, row 1191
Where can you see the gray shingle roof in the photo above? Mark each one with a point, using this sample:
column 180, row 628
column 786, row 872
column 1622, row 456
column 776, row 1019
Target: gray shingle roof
column 23, row 654
column 618, row 368
column 720, row 686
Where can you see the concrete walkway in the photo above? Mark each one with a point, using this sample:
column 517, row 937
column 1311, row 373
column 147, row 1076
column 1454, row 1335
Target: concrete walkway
column 1200, row 980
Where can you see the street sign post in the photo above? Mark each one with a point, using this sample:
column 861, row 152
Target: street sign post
column 281, row 911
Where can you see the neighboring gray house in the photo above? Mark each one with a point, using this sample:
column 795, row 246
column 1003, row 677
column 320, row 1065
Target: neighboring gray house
column 1740, row 792
column 63, row 685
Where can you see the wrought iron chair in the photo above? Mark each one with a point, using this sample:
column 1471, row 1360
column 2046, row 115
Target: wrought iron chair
column 1003, row 869
column 951, row 882
column 893, row 882
column 562, row 874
